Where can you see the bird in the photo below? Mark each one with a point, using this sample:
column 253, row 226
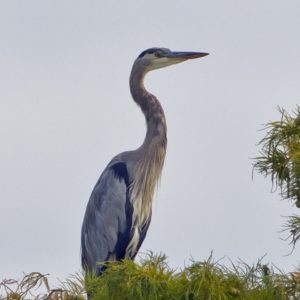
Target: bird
column 119, row 210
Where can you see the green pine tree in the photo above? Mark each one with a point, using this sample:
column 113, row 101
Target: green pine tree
column 279, row 159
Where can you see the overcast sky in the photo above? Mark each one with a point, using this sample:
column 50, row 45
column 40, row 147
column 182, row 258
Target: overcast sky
column 66, row 111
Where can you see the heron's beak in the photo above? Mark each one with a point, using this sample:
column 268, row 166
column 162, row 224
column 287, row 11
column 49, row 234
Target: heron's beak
column 172, row 58
column 181, row 56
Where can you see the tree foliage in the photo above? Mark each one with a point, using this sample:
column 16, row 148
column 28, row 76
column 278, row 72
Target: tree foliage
column 153, row 279
column 279, row 158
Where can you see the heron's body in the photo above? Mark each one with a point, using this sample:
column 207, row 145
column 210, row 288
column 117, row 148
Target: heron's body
column 118, row 213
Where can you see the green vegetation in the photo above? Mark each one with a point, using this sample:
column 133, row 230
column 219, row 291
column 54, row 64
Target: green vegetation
column 280, row 159
column 153, row 279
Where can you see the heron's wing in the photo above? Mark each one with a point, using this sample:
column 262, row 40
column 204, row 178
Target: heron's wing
column 106, row 229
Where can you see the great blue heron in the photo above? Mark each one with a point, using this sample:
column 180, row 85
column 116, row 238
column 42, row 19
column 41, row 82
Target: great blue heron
column 118, row 213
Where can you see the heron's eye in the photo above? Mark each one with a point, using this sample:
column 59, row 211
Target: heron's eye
column 157, row 54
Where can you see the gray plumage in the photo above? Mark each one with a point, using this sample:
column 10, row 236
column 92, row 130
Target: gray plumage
column 118, row 213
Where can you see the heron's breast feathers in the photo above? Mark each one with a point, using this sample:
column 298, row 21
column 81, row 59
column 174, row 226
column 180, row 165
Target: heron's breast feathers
column 142, row 189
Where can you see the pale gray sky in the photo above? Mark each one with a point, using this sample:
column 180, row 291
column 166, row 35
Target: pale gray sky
column 66, row 111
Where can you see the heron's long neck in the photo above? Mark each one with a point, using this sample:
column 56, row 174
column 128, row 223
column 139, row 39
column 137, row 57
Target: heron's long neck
column 153, row 150
column 155, row 118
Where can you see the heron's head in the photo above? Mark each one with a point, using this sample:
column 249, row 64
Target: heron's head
column 156, row 58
